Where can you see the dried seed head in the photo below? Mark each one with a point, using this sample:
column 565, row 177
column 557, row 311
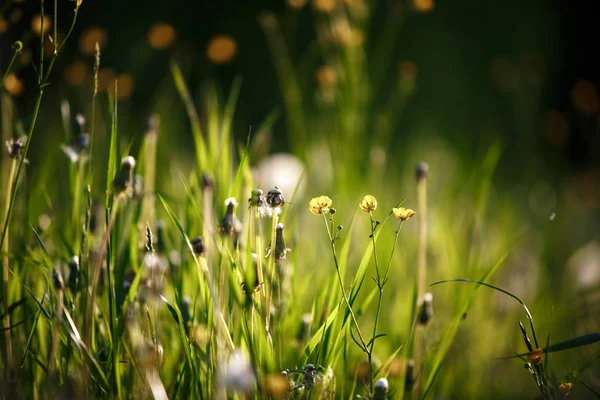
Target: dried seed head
column 57, row 280
column 198, row 246
column 426, row 312
column 15, row 146
column 82, row 141
column 422, row 170
column 256, row 199
column 128, row 163
column 381, row 389
column 409, row 380
column 73, row 273
column 275, row 197
column 230, row 224
column 206, row 182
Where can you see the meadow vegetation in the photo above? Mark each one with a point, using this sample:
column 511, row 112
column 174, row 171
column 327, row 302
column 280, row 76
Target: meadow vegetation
column 384, row 269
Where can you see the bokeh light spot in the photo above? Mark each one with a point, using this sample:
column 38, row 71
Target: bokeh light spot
column 221, row 49
column 89, row 37
column 161, row 36
column 585, row 97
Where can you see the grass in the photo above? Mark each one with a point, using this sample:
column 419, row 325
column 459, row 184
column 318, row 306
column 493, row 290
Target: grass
column 174, row 294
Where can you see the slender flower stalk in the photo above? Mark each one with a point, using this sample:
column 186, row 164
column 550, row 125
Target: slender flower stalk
column 7, row 339
column 43, row 81
column 332, row 239
column 421, row 175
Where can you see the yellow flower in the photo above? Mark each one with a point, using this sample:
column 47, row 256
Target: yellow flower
column 536, row 357
column 403, row 214
column 565, row 388
column 368, row 203
column 320, row 205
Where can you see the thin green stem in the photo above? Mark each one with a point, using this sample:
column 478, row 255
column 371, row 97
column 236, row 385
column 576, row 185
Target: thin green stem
column 271, row 274
column 17, row 46
column 7, row 339
column 341, row 282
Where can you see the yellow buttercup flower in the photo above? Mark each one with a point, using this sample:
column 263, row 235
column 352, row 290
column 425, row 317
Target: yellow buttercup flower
column 536, row 357
column 368, row 203
column 565, row 388
column 403, row 214
column 320, row 205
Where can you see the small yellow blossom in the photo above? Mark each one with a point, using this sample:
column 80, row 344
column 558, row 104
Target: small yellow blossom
column 403, row 214
column 320, row 205
column 368, row 203
column 565, row 388
column 536, row 356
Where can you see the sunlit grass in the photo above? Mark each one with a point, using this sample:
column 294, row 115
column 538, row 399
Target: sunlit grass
column 146, row 273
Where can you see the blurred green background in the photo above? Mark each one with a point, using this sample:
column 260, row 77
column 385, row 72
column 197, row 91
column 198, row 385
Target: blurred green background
column 496, row 96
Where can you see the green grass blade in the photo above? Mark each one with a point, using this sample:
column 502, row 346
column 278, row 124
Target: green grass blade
column 450, row 333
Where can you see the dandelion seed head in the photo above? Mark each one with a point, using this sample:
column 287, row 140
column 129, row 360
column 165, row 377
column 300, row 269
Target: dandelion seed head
column 128, row 162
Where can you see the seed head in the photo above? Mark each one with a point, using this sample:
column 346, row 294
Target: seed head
column 73, row 273
column 409, row 380
column 15, row 146
column 57, row 279
column 256, row 199
column 368, row 203
column 421, row 170
column 275, row 198
column 230, row 224
column 381, row 389
column 198, row 246
column 207, row 182
column 426, row 312
column 128, row 163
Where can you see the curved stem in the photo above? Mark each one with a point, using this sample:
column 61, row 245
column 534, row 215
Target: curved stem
column 339, row 275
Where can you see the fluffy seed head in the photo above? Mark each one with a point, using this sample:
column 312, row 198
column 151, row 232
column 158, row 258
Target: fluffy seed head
column 128, row 162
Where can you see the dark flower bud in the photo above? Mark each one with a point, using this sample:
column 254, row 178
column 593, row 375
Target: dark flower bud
column 57, row 280
column 426, row 312
column 123, row 179
column 206, row 181
column 14, row 147
column 128, row 163
column 230, row 223
column 186, row 313
column 83, row 141
column 275, row 197
column 421, row 170
column 256, row 199
column 73, row 273
column 409, row 380
column 198, row 245
column 160, row 236
column 381, row 389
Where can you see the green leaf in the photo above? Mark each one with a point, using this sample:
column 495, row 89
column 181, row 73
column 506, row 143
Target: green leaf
column 450, row 333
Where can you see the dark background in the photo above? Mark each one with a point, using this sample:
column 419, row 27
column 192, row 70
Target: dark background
column 451, row 46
